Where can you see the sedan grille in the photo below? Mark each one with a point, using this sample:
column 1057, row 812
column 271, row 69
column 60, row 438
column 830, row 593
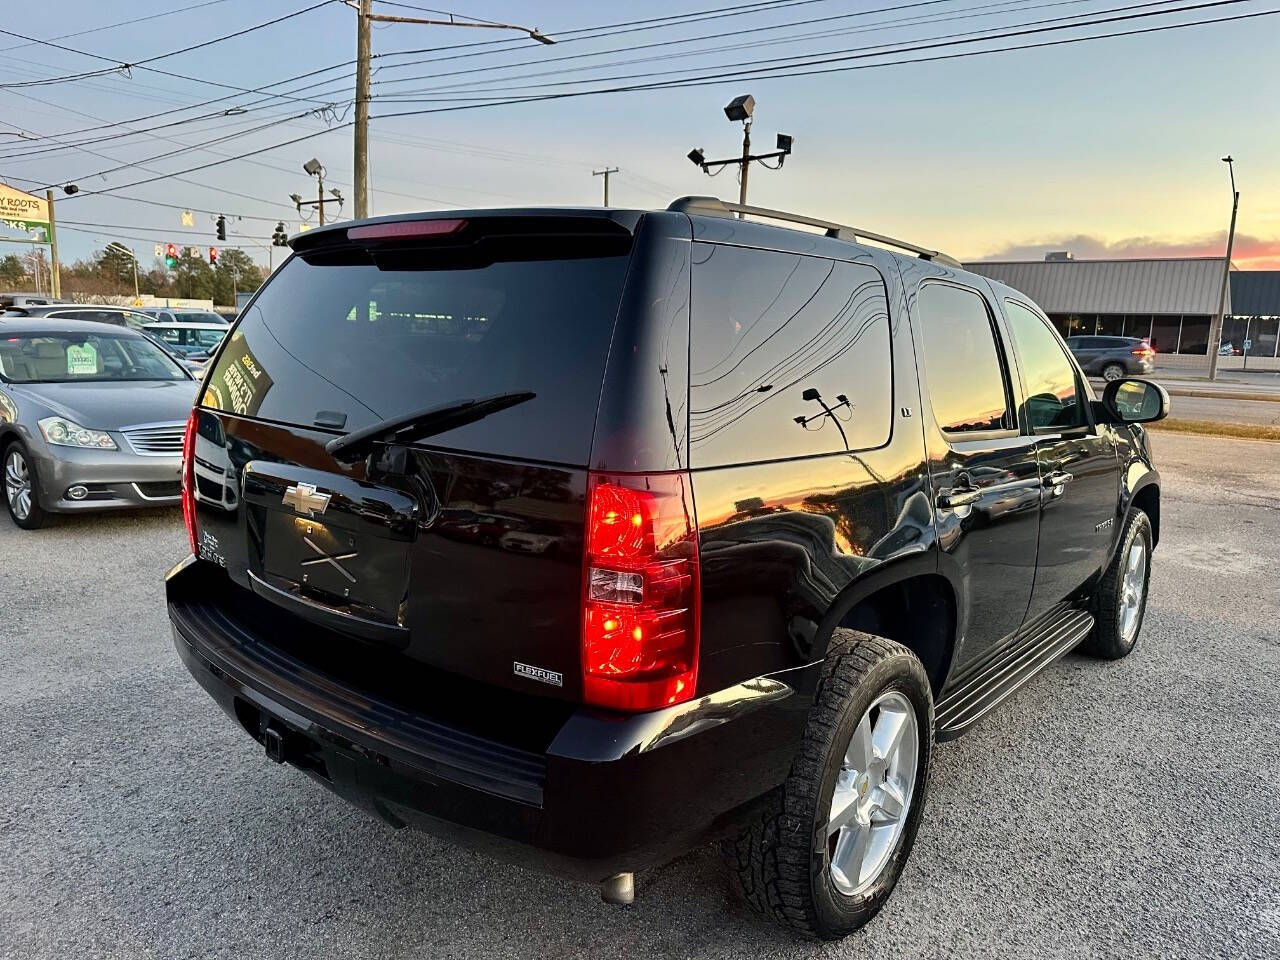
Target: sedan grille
column 161, row 440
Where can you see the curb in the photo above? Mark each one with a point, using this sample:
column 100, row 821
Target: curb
column 1221, row 394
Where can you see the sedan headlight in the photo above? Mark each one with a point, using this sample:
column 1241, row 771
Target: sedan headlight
column 66, row 433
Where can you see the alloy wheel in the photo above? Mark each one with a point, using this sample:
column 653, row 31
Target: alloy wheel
column 1133, row 586
column 1112, row 372
column 873, row 793
column 17, row 484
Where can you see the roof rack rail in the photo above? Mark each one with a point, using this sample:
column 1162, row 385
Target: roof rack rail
column 716, row 207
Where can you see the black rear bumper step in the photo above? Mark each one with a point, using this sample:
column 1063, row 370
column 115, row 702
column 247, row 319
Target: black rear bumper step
column 233, row 649
column 995, row 678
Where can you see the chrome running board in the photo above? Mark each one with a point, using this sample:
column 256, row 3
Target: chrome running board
column 984, row 685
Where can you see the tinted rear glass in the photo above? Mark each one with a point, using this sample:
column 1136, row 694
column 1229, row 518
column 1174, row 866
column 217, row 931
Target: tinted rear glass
column 339, row 333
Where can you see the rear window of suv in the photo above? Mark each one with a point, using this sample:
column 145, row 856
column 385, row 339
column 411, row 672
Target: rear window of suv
column 341, row 333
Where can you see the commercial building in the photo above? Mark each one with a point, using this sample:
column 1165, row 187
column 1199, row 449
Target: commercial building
column 1171, row 302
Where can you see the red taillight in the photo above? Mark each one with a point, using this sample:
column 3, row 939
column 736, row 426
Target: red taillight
column 189, row 480
column 640, row 593
column 405, row 228
column 1143, row 351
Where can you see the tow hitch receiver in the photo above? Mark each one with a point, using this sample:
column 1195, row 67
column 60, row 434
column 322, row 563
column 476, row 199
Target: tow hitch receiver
column 273, row 740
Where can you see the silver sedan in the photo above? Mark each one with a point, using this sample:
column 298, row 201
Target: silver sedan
column 91, row 418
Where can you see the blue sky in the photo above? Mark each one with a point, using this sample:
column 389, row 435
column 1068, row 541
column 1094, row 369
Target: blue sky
column 1108, row 148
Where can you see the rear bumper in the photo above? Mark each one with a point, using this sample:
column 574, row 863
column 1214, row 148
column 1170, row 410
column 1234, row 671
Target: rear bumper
column 608, row 794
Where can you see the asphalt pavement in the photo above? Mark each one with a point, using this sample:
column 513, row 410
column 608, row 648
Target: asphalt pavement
column 1108, row 810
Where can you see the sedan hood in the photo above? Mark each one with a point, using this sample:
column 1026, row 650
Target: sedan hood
column 107, row 405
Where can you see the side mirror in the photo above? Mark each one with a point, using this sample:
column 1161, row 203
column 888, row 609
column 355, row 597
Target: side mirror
column 1130, row 400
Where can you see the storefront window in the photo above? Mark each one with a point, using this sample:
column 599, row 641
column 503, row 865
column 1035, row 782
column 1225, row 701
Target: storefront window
column 1060, row 324
column 1235, row 330
column 1195, row 335
column 1164, row 334
column 1137, row 325
column 1263, row 335
column 1110, row 324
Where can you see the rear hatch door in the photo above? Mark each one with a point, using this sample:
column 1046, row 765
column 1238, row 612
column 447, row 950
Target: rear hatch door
column 458, row 549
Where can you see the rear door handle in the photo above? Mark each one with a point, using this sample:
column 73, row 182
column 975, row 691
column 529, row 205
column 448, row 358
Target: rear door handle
column 958, row 497
column 1057, row 478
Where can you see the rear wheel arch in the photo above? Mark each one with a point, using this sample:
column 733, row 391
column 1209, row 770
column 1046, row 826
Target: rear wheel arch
column 909, row 603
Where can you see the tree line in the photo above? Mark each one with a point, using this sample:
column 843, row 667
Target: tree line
column 109, row 273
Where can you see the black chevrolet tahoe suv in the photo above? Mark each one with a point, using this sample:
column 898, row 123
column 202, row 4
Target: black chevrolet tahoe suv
column 589, row 536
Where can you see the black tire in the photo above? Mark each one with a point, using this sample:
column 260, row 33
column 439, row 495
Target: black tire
column 1115, row 370
column 1108, row 639
column 780, row 863
column 36, row 516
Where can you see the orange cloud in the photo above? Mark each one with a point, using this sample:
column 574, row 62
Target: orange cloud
column 1249, row 252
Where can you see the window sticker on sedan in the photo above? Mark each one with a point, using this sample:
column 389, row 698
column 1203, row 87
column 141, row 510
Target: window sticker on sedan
column 240, row 383
column 82, row 359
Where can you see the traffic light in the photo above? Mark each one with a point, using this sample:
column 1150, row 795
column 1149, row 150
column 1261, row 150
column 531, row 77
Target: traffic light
column 280, row 238
column 222, row 230
column 171, row 256
column 213, row 256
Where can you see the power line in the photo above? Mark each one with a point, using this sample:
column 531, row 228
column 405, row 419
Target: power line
column 985, row 10
column 824, row 55
column 120, row 23
column 601, row 30
column 118, row 65
column 788, row 70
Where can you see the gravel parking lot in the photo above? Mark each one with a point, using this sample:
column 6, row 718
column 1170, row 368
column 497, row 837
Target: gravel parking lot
column 1109, row 810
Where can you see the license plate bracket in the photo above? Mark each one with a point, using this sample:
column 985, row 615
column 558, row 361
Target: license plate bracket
column 363, row 572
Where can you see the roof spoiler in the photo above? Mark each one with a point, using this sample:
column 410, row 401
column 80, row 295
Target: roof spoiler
column 714, row 207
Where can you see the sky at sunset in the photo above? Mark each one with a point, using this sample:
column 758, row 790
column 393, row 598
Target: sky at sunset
column 1106, row 149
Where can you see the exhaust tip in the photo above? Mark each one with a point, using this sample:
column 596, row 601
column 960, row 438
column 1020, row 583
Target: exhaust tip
column 619, row 889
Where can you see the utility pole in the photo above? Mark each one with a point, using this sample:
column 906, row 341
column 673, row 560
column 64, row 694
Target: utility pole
column 742, row 108
column 365, row 17
column 1215, row 329
column 605, row 173
column 361, row 166
column 320, row 195
column 55, row 273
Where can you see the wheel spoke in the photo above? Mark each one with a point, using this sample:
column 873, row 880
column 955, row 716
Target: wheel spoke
column 851, row 853
column 1135, row 560
column 858, row 756
column 844, row 808
column 890, row 800
column 887, row 735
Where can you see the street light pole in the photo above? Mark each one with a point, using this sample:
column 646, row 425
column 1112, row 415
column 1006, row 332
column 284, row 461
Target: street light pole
column 746, row 163
column 365, row 17
column 1215, row 330
column 133, row 261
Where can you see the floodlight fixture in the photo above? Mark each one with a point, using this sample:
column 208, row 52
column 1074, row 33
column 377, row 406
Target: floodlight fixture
column 741, row 108
column 312, row 167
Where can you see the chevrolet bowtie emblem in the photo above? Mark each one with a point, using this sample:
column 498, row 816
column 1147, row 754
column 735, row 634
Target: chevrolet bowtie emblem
column 305, row 500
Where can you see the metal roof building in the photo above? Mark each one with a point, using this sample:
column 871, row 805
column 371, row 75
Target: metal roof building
column 1167, row 301
column 1170, row 287
column 1255, row 293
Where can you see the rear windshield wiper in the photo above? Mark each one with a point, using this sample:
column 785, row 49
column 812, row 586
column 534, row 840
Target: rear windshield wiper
column 421, row 423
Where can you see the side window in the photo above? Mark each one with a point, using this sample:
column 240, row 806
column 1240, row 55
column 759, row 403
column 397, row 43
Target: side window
column 789, row 357
column 962, row 363
column 1053, row 397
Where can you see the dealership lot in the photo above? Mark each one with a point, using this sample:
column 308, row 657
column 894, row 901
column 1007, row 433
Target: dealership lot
column 1108, row 810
